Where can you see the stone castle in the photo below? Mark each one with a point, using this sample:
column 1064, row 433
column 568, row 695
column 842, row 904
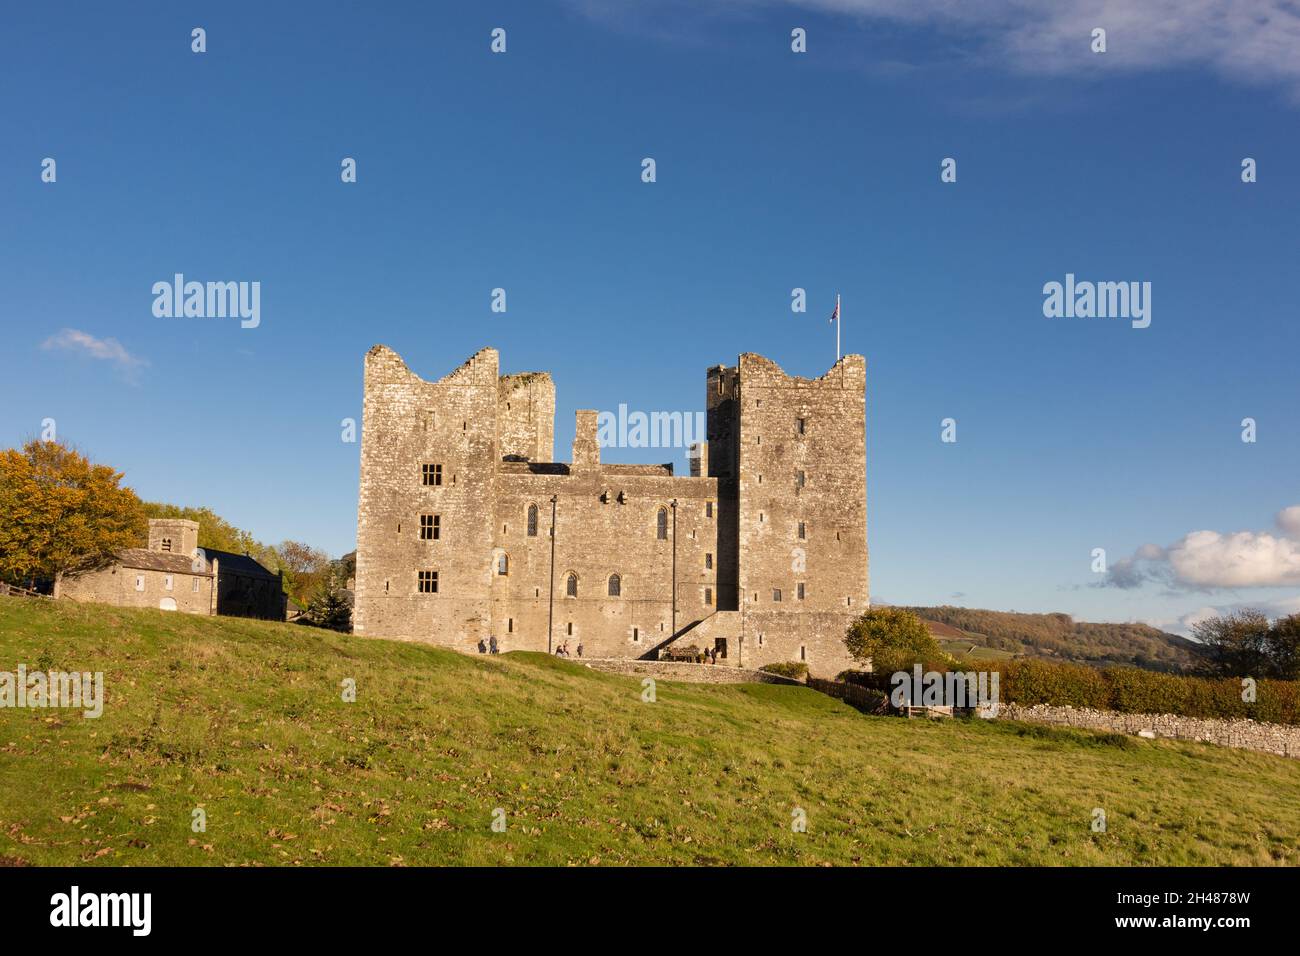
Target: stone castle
column 468, row 530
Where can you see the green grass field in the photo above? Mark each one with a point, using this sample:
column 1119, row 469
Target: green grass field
column 245, row 720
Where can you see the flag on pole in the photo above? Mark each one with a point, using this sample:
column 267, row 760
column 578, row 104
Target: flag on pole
column 836, row 314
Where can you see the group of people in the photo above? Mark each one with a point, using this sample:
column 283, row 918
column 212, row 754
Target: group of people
column 490, row 647
column 563, row 649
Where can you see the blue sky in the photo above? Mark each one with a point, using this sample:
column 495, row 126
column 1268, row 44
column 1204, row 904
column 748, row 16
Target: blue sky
column 775, row 170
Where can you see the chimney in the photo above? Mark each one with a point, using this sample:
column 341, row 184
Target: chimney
column 699, row 456
column 586, row 448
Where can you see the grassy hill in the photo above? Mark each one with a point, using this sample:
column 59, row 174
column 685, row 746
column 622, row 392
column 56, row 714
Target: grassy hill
column 1001, row 634
column 245, row 720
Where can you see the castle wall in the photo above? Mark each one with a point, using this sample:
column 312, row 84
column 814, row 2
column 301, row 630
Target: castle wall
column 598, row 536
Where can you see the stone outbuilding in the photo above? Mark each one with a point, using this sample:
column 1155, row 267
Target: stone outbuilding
column 174, row 574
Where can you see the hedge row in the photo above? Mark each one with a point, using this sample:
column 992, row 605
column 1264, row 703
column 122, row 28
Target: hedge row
column 1125, row 689
column 795, row 669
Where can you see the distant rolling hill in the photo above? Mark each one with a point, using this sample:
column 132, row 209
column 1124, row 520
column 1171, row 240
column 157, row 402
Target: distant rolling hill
column 977, row 634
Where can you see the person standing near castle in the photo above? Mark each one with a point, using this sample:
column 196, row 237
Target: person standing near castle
column 492, row 644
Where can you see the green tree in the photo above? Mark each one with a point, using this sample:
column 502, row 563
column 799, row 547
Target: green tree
column 329, row 605
column 1284, row 647
column 1237, row 644
column 891, row 639
column 60, row 513
column 304, row 567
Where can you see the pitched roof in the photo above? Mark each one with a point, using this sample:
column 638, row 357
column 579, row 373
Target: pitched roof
column 237, row 563
column 146, row 560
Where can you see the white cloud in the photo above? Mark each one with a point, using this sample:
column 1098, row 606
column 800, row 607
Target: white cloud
column 1211, row 559
column 1243, row 559
column 110, row 350
column 1255, row 41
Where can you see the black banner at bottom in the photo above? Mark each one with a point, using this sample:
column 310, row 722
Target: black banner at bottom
column 304, row 905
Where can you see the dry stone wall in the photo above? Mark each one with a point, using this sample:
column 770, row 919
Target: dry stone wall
column 1243, row 734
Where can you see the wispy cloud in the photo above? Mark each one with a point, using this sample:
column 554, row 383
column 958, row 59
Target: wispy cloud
column 1252, row 41
column 1206, row 560
column 107, row 350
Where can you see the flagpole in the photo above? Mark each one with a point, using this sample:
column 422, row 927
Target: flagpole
column 837, row 328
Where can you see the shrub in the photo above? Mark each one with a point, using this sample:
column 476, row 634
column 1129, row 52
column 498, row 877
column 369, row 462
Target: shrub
column 1132, row 691
column 796, row 669
column 1127, row 690
column 890, row 639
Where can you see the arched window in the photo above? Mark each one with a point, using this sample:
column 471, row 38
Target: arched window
column 503, row 564
column 166, row 544
column 662, row 530
column 571, row 586
column 532, row 521
column 615, row 585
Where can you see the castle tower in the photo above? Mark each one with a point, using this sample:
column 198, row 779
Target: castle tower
column 794, row 450
column 429, row 452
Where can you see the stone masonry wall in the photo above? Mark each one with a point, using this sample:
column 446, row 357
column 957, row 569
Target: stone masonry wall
column 116, row 584
column 1244, row 734
column 687, row 673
